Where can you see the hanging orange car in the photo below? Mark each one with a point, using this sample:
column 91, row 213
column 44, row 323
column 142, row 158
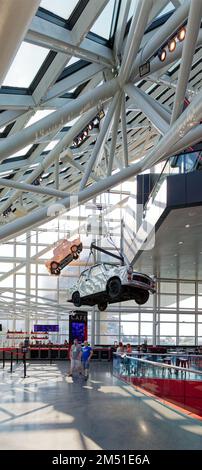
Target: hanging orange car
column 64, row 252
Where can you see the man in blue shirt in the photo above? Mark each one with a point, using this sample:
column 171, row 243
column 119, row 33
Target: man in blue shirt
column 87, row 353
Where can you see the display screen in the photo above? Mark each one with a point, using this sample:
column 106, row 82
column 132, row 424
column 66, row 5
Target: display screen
column 78, row 331
column 45, row 328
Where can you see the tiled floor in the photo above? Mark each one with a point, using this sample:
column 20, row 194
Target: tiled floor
column 48, row 410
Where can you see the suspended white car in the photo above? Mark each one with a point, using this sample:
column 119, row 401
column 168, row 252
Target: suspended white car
column 108, row 283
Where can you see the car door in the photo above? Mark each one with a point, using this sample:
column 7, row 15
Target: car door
column 83, row 283
column 98, row 279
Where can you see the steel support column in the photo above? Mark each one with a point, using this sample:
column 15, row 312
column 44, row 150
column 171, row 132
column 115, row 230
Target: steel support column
column 136, row 32
column 124, row 131
column 192, row 30
column 100, row 142
column 114, row 136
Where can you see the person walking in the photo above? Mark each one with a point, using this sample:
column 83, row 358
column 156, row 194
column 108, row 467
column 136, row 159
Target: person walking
column 87, row 353
column 75, row 357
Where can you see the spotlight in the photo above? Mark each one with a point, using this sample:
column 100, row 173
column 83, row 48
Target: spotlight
column 181, row 34
column 172, row 45
column 96, row 121
column 162, row 55
column 90, row 126
column 85, row 133
column 75, row 142
column 80, row 139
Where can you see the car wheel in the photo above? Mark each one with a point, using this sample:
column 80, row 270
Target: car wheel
column 102, row 307
column 74, row 249
column 76, row 299
column 55, row 267
column 141, row 297
column 114, row 287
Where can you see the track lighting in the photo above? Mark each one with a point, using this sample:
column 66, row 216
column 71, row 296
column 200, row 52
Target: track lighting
column 94, row 123
column 180, row 35
column 172, row 45
column 162, row 55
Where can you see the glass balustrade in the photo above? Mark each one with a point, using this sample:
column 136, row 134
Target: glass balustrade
column 186, row 367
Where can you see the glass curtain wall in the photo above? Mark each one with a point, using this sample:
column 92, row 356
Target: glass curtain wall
column 29, row 295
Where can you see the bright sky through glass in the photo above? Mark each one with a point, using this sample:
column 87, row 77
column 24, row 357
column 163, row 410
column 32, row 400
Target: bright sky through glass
column 63, row 8
column 102, row 26
column 25, row 65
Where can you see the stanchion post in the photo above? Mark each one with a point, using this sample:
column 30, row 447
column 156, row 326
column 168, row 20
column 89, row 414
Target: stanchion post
column 3, row 358
column 25, row 365
column 51, row 359
column 11, row 369
column 17, row 355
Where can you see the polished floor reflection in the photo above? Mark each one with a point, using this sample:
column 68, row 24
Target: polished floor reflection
column 49, row 410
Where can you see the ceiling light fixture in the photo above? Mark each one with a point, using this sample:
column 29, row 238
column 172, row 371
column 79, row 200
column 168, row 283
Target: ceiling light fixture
column 172, row 45
column 181, row 34
column 90, row 126
column 162, row 55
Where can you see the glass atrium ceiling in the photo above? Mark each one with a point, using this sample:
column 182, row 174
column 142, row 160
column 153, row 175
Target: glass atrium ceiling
column 58, row 115
column 63, row 8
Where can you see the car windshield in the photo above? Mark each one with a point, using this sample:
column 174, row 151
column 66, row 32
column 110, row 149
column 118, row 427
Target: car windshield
column 109, row 266
column 96, row 270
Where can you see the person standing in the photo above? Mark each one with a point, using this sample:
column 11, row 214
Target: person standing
column 87, row 353
column 75, row 357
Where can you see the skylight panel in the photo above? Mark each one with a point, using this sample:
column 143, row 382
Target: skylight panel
column 73, row 60
column 51, row 145
column 62, row 8
column 167, row 8
column 25, row 65
column 102, row 26
column 38, row 115
column 21, row 152
column 133, row 7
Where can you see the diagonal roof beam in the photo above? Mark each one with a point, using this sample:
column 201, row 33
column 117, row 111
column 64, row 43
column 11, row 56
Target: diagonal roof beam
column 89, row 15
column 114, row 135
column 124, row 130
column 99, row 143
column 120, row 28
column 59, row 39
column 184, row 123
column 74, row 80
column 136, row 32
column 151, row 108
column 56, row 120
column 10, row 43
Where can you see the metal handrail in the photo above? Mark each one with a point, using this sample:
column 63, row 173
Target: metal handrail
column 153, row 191
column 159, row 364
